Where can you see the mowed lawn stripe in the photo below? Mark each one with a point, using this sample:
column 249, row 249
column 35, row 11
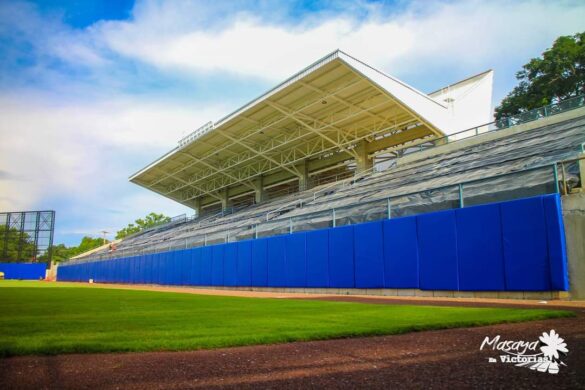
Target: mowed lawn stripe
column 78, row 319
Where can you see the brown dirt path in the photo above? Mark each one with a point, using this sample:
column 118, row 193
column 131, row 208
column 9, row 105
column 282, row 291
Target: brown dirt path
column 433, row 359
column 411, row 300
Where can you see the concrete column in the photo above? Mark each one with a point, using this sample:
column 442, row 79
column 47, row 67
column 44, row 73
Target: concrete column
column 197, row 206
column 259, row 193
column 224, row 198
column 363, row 162
column 574, row 218
column 582, row 171
column 304, row 183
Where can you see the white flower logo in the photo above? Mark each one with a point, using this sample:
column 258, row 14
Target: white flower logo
column 553, row 344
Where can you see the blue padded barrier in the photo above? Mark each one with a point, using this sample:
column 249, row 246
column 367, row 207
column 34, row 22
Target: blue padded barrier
column 509, row 246
column 437, row 240
column 557, row 252
column 259, row 263
column 230, row 264
column 163, row 276
column 525, row 245
column 144, row 270
column 206, row 265
column 185, row 267
column 400, row 253
column 479, row 248
column 369, row 255
column 157, row 274
column 276, row 256
column 135, row 270
column 244, row 264
column 341, row 265
column 150, row 269
column 217, row 266
column 176, row 267
column 196, row 267
column 296, row 260
column 317, row 257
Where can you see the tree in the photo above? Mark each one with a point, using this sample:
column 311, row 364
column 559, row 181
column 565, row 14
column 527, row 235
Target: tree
column 61, row 252
column 16, row 246
column 557, row 75
column 140, row 224
column 88, row 243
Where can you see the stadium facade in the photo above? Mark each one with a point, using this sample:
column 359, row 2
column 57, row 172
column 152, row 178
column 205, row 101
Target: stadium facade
column 343, row 177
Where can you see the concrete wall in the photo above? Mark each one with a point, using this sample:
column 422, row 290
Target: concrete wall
column 574, row 217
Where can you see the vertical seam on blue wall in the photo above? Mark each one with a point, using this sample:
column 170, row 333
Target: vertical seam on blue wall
column 328, row 259
column 353, row 257
column 286, row 270
column 456, row 216
column 503, row 249
column 547, row 231
column 563, row 239
column 417, row 253
column 305, row 281
column 382, row 223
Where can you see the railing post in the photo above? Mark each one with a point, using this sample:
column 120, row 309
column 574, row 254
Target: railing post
column 388, row 207
column 290, row 226
column 461, row 201
column 333, row 217
column 565, row 188
column 205, row 239
column 256, row 231
column 556, row 178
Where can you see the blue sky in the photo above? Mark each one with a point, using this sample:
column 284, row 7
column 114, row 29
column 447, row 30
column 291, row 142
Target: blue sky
column 91, row 91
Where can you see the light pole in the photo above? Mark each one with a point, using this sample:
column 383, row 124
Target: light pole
column 104, row 238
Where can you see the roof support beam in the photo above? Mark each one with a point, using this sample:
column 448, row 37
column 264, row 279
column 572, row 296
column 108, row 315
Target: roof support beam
column 347, row 143
column 257, row 130
column 220, row 171
column 257, row 152
column 343, row 101
column 399, row 103
column 287, row 112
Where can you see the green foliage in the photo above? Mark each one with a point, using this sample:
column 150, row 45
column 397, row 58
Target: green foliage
column 140, row 224
column 62, row 253
column 69, row 318
column 88, row 243
column 10, row 242
column 557, row 75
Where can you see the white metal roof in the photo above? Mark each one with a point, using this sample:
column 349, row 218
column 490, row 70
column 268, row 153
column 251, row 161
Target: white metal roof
column 319, row 114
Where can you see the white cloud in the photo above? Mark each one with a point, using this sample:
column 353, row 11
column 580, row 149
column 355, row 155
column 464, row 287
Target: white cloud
column 80, row 151
column 453, row 33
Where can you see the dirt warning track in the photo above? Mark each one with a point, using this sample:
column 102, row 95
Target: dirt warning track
column 432, row 359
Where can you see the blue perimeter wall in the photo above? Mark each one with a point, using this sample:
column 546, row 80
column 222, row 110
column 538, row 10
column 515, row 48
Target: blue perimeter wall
column 25, row 271
column 509, row 246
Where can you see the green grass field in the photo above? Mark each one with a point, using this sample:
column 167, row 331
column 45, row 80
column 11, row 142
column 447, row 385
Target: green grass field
column 49, row 318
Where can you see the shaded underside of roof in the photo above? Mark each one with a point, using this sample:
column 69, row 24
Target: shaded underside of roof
column 317, row 117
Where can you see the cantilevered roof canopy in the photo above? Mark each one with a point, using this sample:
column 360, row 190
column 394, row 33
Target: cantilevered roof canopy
column 318, row 116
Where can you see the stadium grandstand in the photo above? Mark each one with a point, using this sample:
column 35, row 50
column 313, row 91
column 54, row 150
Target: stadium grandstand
column 341, row 143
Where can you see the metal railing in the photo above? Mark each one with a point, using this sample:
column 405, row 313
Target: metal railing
column 352, row 179
column 571, row 173
column 503, row 123
column 196, row 134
